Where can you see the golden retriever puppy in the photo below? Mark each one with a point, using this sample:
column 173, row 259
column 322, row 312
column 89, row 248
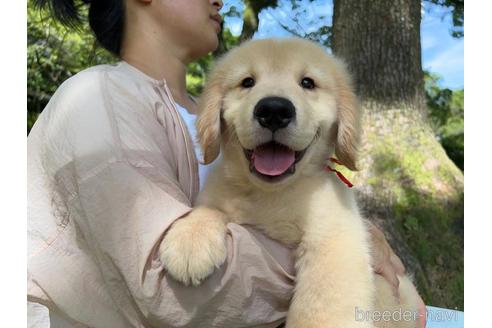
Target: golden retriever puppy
column 277, row 110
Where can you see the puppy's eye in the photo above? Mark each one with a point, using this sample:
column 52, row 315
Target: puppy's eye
column 248, row 82
column 307, row 83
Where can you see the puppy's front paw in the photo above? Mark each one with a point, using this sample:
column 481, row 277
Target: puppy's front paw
column 194, row 246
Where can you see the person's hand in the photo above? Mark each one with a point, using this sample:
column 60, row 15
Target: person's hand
column 384, row 260
column 421, row 321
column 386, row 263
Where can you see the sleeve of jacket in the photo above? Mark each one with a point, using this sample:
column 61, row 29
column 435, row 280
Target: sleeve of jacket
column 125, row 194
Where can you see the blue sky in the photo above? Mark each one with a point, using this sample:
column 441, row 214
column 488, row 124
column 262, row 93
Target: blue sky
column 441, row 53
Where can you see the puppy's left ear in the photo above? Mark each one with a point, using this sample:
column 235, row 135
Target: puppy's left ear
column 208, row 121
column 348, row 107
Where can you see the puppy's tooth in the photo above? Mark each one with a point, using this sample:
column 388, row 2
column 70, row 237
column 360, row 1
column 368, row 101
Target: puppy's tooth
column 292, row 169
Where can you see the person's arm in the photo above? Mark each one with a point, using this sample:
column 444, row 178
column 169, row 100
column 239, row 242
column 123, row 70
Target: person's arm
column 384, row 260
column 126, row 214
column 252, row 287
column 140, row 210
column 126, row 194
column 388, row 264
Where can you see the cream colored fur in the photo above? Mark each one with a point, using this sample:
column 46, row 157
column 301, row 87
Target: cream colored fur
column 311, row 209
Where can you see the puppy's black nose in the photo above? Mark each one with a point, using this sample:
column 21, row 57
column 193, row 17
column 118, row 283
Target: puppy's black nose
column 274, row 113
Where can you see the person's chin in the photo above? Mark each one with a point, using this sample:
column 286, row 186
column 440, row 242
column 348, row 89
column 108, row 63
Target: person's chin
column 215, row 46
column 214, row 40
column 211, row 43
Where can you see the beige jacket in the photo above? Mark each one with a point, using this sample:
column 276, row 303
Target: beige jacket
column 110, row 167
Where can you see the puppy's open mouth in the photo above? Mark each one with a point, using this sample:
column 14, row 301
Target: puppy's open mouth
column 273, row 161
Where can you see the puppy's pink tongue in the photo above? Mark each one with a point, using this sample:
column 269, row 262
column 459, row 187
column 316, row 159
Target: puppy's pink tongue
column 273, row 159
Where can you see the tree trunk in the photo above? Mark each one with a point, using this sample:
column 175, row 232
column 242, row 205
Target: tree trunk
column 406, row 184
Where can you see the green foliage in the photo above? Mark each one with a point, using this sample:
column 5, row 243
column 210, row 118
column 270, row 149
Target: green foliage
column 195, row 75
column 197, row 71
column 55, row 53
column 322, row 36
column 252, row 8
column 446, row 112
column 299, row 14
column 424, row 195
column 458, row 12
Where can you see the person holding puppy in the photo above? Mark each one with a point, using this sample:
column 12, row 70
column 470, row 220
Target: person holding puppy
column 111, row 166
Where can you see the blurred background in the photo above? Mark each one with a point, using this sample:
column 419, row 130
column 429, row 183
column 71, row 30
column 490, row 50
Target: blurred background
column 406, row 57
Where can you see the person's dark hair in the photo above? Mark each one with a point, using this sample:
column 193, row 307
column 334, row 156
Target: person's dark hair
column 106, row 18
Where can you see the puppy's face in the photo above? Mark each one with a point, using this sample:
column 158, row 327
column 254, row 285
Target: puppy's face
column 279, row 108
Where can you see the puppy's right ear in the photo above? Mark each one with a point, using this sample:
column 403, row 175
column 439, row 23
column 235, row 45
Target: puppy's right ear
column 348, row 134
column 208, row 121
